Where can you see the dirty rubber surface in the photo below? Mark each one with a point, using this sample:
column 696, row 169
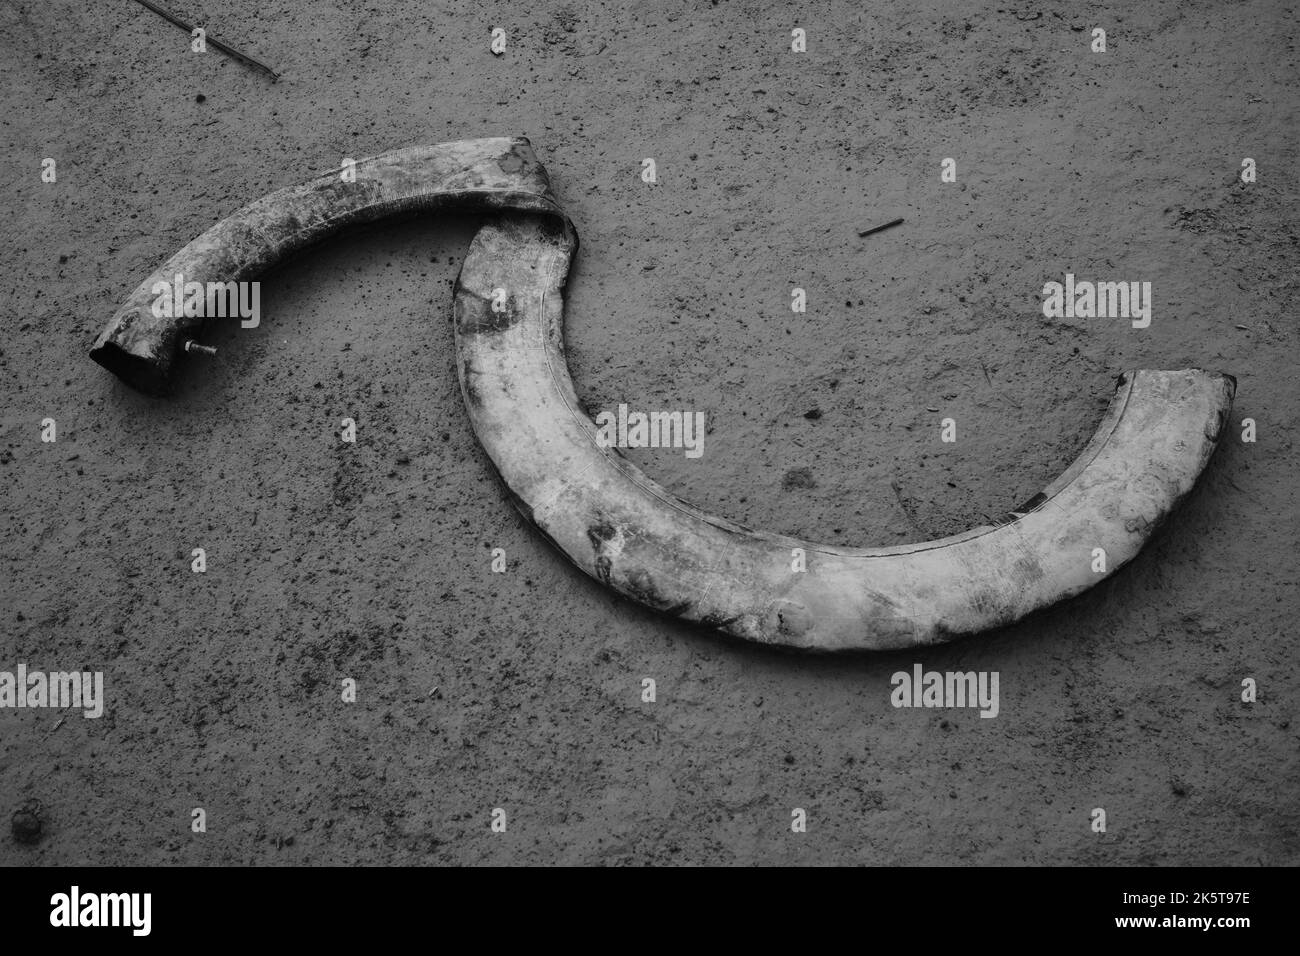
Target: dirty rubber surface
column 372, row 561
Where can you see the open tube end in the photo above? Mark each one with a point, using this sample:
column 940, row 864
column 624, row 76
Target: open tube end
column 148, row 375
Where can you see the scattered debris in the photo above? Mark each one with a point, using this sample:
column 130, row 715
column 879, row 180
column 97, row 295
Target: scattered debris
column 26, row 823
column 907, row 512
column 57, row 724
column 798, row 478
column 874, row 229
column 217, row 44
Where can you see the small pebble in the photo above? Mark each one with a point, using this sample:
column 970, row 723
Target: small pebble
column 26, row 823
column 798, row 478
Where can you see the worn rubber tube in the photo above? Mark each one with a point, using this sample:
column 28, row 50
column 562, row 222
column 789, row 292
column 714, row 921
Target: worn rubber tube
column 481, row 174
column 620, row 527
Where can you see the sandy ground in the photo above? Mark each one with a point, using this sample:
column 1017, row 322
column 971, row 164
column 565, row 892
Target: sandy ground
column 328, row 561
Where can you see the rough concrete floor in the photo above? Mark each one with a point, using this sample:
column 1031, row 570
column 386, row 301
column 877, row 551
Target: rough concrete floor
column 372, row 561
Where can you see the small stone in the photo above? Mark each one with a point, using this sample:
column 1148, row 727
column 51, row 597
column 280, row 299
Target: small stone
column 26, row 823
column 798, row 478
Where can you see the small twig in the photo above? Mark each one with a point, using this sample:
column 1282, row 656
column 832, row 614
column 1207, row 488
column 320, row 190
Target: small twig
column 1242, row 490
column 228, row 50
column 58, row 723
column 875, row 229
column 893, row 483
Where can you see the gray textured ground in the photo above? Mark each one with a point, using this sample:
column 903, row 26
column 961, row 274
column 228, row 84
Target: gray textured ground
column 372, row 561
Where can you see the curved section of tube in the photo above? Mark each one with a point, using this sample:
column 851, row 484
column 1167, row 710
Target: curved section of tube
column 140, row 346
column 626, row 531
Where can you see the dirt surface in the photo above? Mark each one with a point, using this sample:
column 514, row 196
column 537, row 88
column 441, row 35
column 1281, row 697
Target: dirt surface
column 372, row 561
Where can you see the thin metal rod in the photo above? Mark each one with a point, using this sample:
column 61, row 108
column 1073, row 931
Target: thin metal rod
column 228, row 50
column 875, row 229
